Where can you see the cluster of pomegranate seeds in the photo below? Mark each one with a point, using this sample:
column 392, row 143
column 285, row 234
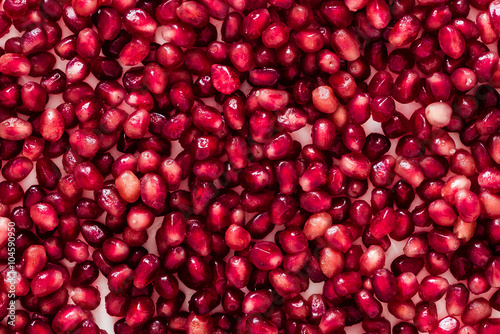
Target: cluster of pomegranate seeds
column 221, row 165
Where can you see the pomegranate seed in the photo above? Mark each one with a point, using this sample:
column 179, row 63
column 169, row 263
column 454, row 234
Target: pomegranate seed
column 438, row 114
column 333, row 320
column 139, row 23
column 451, row 41
column 368, row 305
column 225, row 79
column 46, row 282
column 14, row 64
column 139, row 312
column 86, row 297
column 309, row 40
column 326, row 257
column 265, row 256
column 405, row 31
column 35, row 258
column 345, row 44
column 254, row 24
column 476, row 311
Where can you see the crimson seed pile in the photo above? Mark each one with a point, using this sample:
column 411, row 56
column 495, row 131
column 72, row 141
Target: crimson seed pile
column 240, row 175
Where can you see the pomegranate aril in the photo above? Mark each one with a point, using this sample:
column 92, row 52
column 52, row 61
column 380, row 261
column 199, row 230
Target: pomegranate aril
column 345, row 44
column 46, row 282
column 476, row 311
column 138, row 22
column 477, row 284
column 86, row 297
column 139, row 312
